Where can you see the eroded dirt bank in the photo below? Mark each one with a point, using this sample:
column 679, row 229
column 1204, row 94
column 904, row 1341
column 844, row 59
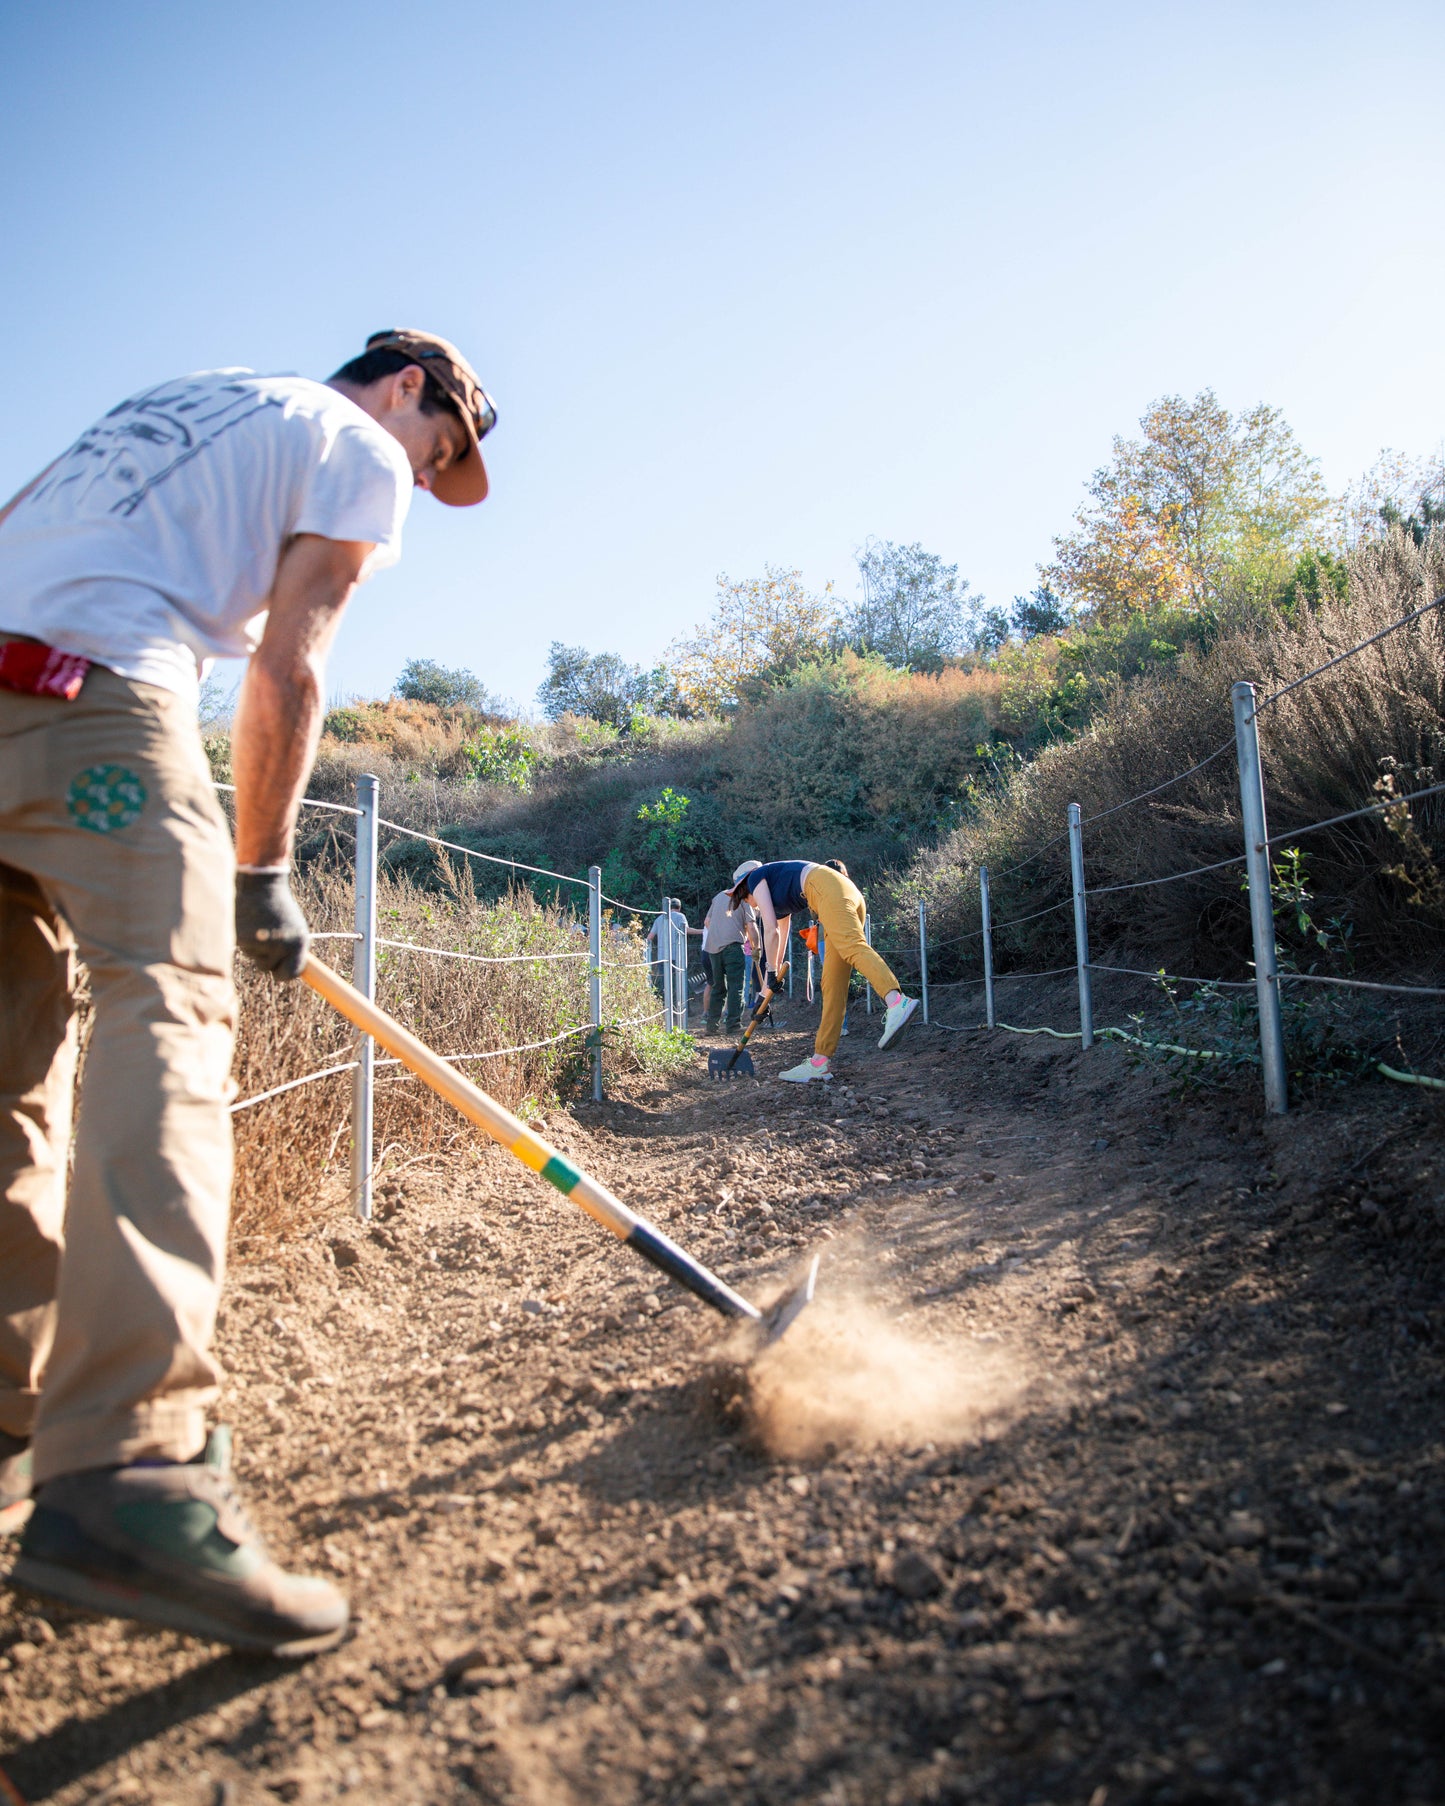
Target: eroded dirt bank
column 1131, row 1491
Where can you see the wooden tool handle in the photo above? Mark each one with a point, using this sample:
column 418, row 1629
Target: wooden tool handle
column 518, row 1139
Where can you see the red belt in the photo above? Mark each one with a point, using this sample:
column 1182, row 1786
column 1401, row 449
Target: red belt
column 35, row 669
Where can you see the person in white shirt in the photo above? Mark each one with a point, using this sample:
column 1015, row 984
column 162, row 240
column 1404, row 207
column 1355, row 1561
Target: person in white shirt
column 216, row 515
column 725, row 934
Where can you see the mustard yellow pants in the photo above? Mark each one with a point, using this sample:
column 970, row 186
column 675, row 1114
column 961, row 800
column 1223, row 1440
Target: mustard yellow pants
column 111, row 846
column 838, row 904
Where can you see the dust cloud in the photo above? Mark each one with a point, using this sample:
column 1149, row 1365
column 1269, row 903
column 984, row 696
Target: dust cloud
column 845, row 1376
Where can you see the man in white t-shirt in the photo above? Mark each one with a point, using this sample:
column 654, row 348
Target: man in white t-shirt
column 218, row 515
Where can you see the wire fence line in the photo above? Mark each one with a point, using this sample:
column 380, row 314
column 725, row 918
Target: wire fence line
column 1159, row 789
column 309, row 1078
column 1222, row 984
column 452, row 846
column 1339, row 659
column 307, row 802
column 368, row 943
column 479, row 959
column 1359, row 984
column 499, row 1053
column 1198, row 871
column 1384, row 805
column 1021, row 864
column 1258, row 884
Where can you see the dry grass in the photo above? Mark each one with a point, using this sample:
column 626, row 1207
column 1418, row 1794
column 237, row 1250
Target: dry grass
column 293, row 1152
column 1324, row 747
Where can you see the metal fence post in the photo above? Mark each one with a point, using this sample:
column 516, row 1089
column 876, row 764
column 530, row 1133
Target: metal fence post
column 594, row 960
column 868, row 989
column 923, row 952
column 983, row 898
column 1081, row 926
column 664, row 952
column 1261, row 900
column 680, row 1002
column 788, row 956
column 363, row 976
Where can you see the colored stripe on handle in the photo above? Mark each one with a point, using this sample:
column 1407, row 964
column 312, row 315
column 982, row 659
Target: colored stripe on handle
column 529, row 1148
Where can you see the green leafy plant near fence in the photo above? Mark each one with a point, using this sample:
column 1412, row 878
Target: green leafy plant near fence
column 500, row 755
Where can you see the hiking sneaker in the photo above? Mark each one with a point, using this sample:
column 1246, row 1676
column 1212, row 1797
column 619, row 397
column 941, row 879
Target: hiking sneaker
column 172, row 1545
column 800, row 1075
column 15, row 1465
column 899, row 1015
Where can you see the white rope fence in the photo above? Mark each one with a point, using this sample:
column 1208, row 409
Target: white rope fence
column 368, row 944
column 293, row 1085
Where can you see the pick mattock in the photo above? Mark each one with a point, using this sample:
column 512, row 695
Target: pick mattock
column 739, row 1063
column 555, row 1168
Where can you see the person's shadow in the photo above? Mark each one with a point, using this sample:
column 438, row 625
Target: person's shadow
column 77, row 1748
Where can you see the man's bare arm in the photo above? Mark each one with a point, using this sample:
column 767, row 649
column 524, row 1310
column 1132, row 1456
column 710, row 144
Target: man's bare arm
column 282, row 700
column 774, row 927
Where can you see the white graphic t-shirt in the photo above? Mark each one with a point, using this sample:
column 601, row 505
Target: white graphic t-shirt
column 152, row 544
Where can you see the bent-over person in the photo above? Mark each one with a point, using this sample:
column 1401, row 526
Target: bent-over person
column 778, row 890
column 222, row 514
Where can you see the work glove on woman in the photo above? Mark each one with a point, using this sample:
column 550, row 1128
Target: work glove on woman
column 772, row 982
column 270, row 928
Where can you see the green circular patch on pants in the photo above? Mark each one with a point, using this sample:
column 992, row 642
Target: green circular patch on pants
column 105, row 797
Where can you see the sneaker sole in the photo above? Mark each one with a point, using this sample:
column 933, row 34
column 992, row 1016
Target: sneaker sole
column 888, row 1040
column 113, row 1600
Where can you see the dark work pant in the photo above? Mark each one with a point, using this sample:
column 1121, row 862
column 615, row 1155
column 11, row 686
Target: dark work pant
column 727, row 982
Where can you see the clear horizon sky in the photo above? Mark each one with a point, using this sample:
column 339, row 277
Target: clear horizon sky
column 748, row 286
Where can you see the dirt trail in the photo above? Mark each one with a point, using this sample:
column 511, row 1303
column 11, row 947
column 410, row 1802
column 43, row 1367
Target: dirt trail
column 1141, row 1498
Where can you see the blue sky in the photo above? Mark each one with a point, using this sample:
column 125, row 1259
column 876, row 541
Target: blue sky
column 748, row 285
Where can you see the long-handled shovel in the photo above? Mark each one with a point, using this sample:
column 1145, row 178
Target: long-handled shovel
column 739, row 1063
column 555, row 1168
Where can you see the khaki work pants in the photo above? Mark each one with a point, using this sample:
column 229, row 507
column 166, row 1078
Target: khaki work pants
column 838, row 904
column 112, row 846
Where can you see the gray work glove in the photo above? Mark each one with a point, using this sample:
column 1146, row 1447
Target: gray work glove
column 270, row 928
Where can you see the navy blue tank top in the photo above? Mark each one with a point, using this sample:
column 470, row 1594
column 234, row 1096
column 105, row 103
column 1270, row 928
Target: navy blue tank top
column 785, row 884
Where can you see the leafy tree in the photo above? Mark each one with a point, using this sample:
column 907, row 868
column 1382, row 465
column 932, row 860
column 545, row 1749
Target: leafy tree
column 602, row 687
column 1205, row 503
column 990, row 635
column 1396, row 491
column 761, row 629
column 424, row 680
column 1041, row 613
column 914, row 611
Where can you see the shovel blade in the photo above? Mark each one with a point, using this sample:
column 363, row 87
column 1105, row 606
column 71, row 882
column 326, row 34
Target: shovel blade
column 724, row 1065
column 779, row 1317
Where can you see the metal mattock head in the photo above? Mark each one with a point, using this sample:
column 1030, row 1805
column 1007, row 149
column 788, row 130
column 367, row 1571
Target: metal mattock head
column 778, row 1318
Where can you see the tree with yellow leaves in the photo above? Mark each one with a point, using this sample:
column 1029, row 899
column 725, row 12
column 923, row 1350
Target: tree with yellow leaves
column 761, row 628
column 1205, row 504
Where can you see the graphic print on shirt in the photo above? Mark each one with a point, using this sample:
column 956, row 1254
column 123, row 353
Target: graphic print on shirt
column 118, row 461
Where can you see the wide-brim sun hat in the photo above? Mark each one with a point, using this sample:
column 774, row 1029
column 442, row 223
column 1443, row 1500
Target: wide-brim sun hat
column 748, row 865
